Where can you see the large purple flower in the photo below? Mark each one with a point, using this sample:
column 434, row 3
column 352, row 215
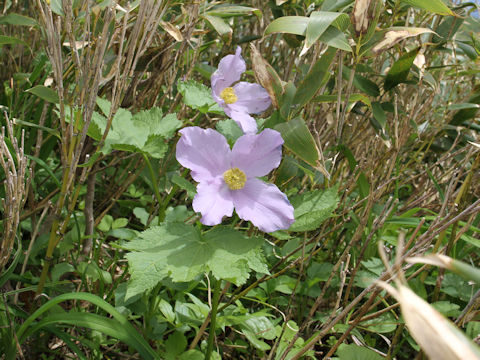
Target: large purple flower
column 241, row 99
column 228, row 178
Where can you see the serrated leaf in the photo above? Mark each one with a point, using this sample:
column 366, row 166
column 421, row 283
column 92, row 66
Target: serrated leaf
column 179, row 251
column 196, row 95
column 144, row 132
column 312, row 208
column 157, row 124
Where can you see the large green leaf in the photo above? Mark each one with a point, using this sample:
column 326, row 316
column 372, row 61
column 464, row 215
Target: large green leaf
column 312, row 208
column 181, row 252
column 435, row 6
column 145, row 132
column 399, row 71
column 299, row 140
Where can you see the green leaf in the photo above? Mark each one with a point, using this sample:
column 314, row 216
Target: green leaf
column 179, row 251
column 312, row 208
column 435, row 6
column 175, row 345
column 230, row 129
column 167, row 310
column 99, row 323
column 46, row 167
column 355, row 352
column 157, row 124
column 17, row 19
column 319, row 22
column 315, row 78
column 379, row 121
column 299, row 140
column 8, row 40
column 44, row 93
column 298, row 25
column 465, row 114
column 228, row 10
column 184, row 184
column 145, row 132
column 400, row 69
column 361, row 83
column 220, row 26
column 119, row 223
column 288, row 24
column 192, row 355
column 94, row 272
column 196, row 95
column 56, row 6
column 105, row 223
column 352, row 98
column 127, row 334
column 335, row 38
column 6, row 273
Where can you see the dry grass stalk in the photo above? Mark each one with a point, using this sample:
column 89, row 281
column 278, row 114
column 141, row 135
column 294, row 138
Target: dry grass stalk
column 16, row 183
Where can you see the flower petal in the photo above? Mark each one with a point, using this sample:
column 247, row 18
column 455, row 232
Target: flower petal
column 213, row 200
column 264, row 205
column 252, row 98
column 245, row 121
column 204, row 151
column 257, row 155
column 230, row 68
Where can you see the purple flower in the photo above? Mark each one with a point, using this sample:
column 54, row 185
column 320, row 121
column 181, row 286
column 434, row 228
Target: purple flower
column 228, row 178
column 241, row 99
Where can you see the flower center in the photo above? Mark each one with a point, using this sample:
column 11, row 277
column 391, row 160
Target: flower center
column 235, row 178
column 228, row 95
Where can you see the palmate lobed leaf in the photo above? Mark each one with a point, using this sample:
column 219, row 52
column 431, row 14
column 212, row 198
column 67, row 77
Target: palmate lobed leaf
column 144, row 131
column 312, row 208
column 181, row 252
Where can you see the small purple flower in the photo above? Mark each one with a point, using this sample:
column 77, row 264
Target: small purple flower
column 241, row 99
column 228, row 178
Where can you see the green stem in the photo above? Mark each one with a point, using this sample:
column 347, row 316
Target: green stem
column 213, row 318
column 154, row 179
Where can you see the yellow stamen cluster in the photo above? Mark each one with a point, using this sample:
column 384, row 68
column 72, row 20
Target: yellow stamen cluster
column 235, row 178
column 228, row 95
